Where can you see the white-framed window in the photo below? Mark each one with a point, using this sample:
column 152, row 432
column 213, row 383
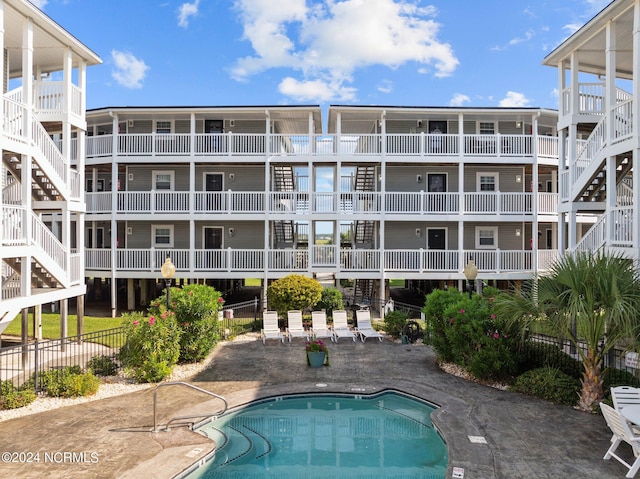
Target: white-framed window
column 486, row 237
column 162, row 236
column 486, row 128
column 487, row 181
column 163, row 180
column 163, row 127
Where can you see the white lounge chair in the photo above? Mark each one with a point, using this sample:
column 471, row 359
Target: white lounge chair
column 625, row 396
column 295, row 329
column 365, row 329
column 621, row 433
column 319, row 327
column 340, row 328
column 270, row 328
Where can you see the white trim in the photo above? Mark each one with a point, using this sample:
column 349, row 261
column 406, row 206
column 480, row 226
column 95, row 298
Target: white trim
column 154, row 229
column 446, row 236
column 172, row 179
column 171, row 127
column 204, row 236
column 204, row 179
column 494, row 230
column 495, row 174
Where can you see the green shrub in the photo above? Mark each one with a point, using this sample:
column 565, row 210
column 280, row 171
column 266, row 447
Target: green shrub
column 69, row 382
column 550, row 384
column 102, row 366
column 394, row 323
column 330, row 299
column 618, row 377
column 12, row 397
column 436, row 323
column 152, row 347
column 535, row 354
column 293, row 292
column 196, row 309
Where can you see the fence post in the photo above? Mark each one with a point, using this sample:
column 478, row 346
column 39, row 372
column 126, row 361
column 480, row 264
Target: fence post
column 35, row 365
column 255, row 313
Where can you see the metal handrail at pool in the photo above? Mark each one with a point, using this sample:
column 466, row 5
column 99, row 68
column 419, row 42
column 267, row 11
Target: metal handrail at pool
column 177, row 418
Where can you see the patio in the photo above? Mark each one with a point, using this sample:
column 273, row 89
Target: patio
column 526, row 437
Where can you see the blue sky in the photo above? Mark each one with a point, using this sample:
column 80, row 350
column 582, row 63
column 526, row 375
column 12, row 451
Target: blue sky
column 292, row 52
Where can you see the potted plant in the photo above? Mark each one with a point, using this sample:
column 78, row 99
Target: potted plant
column 317, row 353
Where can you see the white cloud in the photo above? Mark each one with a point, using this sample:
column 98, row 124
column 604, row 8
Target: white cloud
column 39, row 3
column 385, row 86
column 459, row 99
column 332, row 39
column 187, row 10
column 514, row 99
column 316, row 90
column 129, row 71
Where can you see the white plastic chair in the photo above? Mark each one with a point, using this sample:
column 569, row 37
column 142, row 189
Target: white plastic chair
column 295, row 329
column 319, row 327
column 365, row 329
column 625, row 396
column 621, row 433
column 340, row 327
column 270, row 328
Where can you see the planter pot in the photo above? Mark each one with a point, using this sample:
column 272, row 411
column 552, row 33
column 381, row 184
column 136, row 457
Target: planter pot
column 316, row 359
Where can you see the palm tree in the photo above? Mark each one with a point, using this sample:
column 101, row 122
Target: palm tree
column 593, row 300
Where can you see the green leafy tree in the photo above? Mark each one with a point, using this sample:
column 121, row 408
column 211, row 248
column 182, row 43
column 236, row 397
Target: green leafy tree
column 293, row 292
column 331, row 299
column 593, row 300
column 196, row 309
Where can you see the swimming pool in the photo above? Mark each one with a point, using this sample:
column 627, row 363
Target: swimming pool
column 386, row 435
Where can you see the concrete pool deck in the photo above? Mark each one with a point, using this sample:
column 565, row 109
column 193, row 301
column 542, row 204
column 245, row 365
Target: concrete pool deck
column 110, row 438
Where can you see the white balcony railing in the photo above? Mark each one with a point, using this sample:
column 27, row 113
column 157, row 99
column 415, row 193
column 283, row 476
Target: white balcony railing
column 293, row 202
column 320, row 257
column 289, row 202
column 260, row 144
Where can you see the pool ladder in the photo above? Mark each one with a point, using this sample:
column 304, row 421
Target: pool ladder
column 190, row 424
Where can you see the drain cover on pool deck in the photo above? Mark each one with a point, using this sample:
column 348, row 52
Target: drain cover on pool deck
column 477, row 439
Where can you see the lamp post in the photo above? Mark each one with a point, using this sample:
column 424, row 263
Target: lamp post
column 470, row 272
column 168, row 270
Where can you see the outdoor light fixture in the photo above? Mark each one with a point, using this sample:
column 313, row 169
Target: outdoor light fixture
column 168, row 270
column 470, row 272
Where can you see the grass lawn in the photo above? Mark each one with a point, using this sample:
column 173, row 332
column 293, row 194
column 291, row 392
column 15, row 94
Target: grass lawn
column 396, row 283
column 252, row 282
column 51, row 325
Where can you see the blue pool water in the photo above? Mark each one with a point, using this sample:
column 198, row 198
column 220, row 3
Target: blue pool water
column 388, row 435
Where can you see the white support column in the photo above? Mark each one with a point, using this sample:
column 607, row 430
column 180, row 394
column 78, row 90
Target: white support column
column 114, row 223
column 611, row 199
column 636, row 128
column 267, row 208
column 535, row 194
column 610, row 85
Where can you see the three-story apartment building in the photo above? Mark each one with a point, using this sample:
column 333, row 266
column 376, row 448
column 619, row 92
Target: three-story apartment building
column 260, row 192
column 43, row 71
column 599, row 74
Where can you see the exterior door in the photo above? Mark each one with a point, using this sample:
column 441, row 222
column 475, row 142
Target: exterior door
column 213, row 186
column 437, row 183
column 213, row 238
column 436, row 238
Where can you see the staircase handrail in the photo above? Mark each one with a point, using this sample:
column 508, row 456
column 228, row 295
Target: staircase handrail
column 593, row 240
column 50, row 151
column 46, row 240
column 594, row 144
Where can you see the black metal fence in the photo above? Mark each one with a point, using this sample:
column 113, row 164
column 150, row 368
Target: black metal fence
column 22, row 363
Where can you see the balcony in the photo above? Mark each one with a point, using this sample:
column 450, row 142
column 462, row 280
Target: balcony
column 371, row 145
column 318, row 258
column 286, row 203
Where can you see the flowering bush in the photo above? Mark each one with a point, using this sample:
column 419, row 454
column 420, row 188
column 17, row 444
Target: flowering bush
column 467, row 332
column 196, row 309
column 317, row 346
column 152, row 347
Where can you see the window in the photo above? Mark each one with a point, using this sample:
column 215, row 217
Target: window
column 162, row 236
column 487, row 128
column 163, row 180
column 486, row 237
column 163, row 127
column 487, row 181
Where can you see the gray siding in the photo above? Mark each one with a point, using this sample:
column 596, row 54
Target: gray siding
column 248, row 235
column 404, row 178
column 246, row 178
column 143, row 177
